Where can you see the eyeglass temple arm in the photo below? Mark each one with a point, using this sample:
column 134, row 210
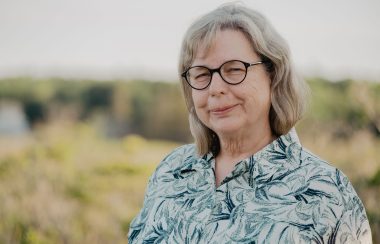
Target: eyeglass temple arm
column 259, row 62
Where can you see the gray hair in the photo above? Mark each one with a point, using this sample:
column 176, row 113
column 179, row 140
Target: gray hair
column 288, row 92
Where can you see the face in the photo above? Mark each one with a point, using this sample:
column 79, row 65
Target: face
column 233, row 109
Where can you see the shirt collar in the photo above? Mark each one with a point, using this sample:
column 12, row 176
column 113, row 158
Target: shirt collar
column 285, row 148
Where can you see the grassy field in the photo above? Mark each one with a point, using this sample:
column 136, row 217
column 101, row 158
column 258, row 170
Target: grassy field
column 64, row 183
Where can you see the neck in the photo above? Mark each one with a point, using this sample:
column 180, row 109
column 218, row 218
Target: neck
column 240, row 146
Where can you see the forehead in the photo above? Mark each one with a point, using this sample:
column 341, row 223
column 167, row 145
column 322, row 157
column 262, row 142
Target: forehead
column 224, row 45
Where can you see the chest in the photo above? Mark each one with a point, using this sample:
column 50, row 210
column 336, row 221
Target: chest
column 223, row 168
column 243, row 207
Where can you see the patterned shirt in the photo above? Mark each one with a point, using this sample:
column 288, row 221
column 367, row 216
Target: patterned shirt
column 281, row 194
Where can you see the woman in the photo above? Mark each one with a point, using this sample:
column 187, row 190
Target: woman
column 247, row 179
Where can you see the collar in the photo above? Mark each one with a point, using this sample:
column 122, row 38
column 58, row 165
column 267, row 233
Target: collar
column 281, row 154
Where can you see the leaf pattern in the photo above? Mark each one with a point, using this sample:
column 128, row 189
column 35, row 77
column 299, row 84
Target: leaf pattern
column 281, row 194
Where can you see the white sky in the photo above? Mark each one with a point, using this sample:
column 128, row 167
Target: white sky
column 124, row 38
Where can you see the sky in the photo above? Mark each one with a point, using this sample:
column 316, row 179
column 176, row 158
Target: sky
column 101, row 39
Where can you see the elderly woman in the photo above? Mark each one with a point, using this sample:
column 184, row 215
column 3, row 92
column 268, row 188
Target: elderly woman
column 247, row 179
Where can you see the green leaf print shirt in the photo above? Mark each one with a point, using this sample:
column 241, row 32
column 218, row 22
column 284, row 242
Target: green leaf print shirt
column 281, row 194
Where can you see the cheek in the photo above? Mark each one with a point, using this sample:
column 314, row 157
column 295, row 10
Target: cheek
column 200, row 106
column 256, row 98
column 199, row 100
column 250, row 94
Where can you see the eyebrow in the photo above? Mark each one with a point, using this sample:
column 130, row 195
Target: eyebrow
column 205, row 65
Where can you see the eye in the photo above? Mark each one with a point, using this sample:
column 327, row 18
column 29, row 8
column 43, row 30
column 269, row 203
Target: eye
column 234, row 69
column 199, row 74
column 202, row 75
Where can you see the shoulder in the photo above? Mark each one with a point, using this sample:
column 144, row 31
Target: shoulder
column 338, row 203
column 188, row 150
column 332, row 183
column 322, row 171
column 321, row 168
column 165, row 173
column 161, row 183
column 178, row 157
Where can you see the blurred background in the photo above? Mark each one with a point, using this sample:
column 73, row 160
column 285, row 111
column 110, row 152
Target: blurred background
column 90, row 104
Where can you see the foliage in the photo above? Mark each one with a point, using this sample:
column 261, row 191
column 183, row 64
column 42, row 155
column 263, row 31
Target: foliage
column 375, row 180
column 79, row 176
column 154, row 110
column 66, row 184
column 342, row 108
column 157, row 109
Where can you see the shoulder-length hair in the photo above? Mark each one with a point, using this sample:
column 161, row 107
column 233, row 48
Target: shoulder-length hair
column 288, row 92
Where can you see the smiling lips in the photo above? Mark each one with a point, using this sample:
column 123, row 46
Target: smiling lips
column 222, row 110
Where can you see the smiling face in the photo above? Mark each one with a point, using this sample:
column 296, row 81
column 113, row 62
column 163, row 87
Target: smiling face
column 233, row 110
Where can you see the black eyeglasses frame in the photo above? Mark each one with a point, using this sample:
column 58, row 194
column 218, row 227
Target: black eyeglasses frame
column 218, row 70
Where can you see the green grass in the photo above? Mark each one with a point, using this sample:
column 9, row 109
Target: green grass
column 66, row 184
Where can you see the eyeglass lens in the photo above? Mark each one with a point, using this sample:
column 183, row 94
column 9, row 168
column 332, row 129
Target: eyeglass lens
column 232, row 72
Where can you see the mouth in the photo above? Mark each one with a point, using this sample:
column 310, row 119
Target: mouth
column 222, row 110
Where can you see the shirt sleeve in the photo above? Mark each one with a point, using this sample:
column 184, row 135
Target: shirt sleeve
column 353, row 225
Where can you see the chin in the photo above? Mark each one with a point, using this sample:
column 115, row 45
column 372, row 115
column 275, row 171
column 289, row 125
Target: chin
column 226, row 129
column 226, row 125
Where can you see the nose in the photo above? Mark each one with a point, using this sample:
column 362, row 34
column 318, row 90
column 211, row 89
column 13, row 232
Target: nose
column 217, row 86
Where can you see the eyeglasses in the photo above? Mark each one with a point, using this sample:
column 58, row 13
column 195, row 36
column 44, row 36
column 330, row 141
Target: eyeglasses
column 232, row 72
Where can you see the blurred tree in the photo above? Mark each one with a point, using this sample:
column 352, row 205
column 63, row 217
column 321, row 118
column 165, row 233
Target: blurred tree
column 97, row 96
column 157, row 109
column 35, row 112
